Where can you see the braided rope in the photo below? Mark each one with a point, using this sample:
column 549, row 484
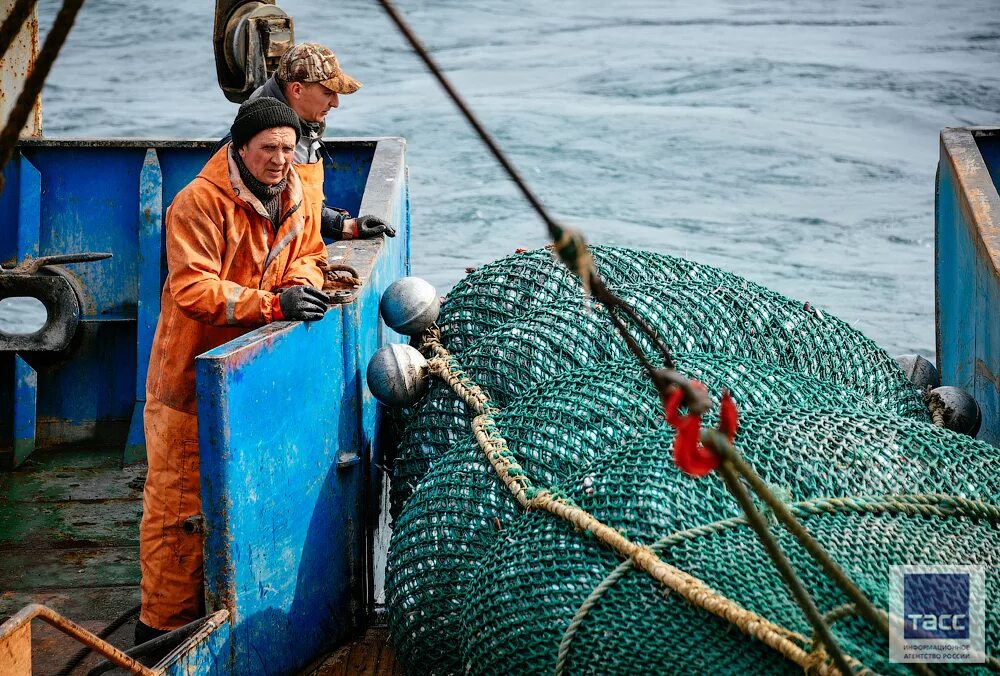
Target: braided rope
column 692, row 589
column 927, row 505
column 936, row 407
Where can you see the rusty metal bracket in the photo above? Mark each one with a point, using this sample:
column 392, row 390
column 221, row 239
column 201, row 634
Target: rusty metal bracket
column 15, row 641
column 341, row 283
column 31, row 266
column 61, row 300
column 61, row 304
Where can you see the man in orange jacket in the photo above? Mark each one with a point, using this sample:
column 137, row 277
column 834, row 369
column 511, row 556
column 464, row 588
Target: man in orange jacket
column 243, row 249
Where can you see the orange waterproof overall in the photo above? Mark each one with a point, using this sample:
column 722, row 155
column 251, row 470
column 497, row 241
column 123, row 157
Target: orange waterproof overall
column 224, row 260
column 311, row 176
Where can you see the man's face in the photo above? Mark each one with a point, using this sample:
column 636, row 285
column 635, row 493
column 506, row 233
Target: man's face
column 311, row 100
column 269, row 154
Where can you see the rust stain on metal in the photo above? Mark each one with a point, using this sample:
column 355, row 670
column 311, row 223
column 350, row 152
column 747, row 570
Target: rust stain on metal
column 22, row 618
column 14, row 68
column 985, row 373
column 981, row 204
column 15, row 652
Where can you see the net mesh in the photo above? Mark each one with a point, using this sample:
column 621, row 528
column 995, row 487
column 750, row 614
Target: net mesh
column 460, row 508
column 498, row 292
column 701, row 309
column 826, row 413
column 526, row 591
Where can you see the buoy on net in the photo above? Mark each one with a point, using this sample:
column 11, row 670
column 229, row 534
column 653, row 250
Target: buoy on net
column 919, row 370
column 409, row 306
column 961, row 412
column 397, row 375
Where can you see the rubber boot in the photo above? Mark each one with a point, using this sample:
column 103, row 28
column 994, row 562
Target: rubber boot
column 144, row 632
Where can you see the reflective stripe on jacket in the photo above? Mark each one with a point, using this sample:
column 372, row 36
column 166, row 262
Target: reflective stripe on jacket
column 224, row 260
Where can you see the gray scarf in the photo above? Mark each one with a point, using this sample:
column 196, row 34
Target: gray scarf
column 269, row 195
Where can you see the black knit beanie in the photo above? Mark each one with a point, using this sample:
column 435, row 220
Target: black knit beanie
column 259, row 114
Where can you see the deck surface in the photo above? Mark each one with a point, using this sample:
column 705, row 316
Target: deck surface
column 69, row 539
column 370, row 655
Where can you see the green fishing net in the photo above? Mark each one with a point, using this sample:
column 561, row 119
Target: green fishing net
column 557, row 427
column 498, row 292
column 540, row 571
column 826, row 413
column 692, row 307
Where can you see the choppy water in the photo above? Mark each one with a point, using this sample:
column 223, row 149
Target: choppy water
column 791, row 141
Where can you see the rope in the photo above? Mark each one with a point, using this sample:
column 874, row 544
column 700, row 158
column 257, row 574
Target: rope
column 850, row 610
column 13, row 22
column 36, row 79
column 924, row 505
column 569, row 243
column 936, row 407
column 730, row 472
column 692, row 589
column 572, row 250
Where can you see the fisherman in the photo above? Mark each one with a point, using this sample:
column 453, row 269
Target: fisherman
column 243, row 250
column 309, row 79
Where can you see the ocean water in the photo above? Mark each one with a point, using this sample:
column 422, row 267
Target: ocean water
column 791, row 141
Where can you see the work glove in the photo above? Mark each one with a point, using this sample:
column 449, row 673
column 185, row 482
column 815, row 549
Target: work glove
column 303, row 303
column 372, row 226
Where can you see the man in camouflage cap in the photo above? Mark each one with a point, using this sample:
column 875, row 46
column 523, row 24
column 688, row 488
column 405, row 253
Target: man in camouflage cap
column 310, row 80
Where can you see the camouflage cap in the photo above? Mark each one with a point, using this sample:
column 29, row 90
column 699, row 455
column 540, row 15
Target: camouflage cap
column 311, row 62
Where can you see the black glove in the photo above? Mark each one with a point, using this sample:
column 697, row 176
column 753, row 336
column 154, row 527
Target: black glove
column 373, row 226
column 303, row 303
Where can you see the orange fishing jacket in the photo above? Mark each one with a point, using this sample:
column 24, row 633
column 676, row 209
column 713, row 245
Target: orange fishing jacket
column 225, row 260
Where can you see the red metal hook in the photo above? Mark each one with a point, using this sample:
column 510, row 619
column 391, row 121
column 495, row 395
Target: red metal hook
column 689, row 454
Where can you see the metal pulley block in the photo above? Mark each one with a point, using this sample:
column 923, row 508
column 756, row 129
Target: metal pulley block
column 55, row 291
column 250, row 37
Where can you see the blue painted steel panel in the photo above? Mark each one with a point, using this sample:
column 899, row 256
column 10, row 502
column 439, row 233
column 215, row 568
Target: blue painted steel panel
column 29, row 217
column 90, row 202
column 148, row 308
column 25, row 398
column 85, row 196
column 18, row 401
column 345, row 173
column 287, row 432
column 204, row 655
column 967, row 269
column 283, row 537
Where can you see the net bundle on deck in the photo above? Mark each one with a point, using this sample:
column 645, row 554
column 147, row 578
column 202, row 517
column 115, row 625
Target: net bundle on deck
column 694, row 307
column 827, row 414
column 847, row 474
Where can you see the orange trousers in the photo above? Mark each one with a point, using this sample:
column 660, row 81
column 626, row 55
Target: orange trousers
column 171, row 560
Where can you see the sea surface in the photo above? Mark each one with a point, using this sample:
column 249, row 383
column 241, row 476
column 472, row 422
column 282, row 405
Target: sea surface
column 791, row 141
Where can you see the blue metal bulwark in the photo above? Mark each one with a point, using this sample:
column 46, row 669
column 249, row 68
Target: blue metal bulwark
column 148, row 306
column 76, row 196
column 287, row 432
column 967, row 269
